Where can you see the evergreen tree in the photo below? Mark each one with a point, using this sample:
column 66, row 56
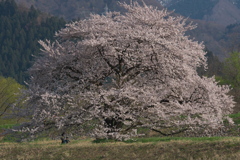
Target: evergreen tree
column 19, row 35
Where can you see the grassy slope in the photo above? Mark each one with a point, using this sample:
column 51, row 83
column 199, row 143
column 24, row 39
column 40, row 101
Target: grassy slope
column 145, row 149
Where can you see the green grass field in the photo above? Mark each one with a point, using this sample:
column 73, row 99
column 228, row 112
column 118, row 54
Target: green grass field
column 153, row 148
column 148, row 148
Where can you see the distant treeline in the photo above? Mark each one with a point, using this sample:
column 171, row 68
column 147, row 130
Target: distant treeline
column 20, row 30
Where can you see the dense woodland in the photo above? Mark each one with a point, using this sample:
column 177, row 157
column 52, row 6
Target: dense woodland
column 20, row 30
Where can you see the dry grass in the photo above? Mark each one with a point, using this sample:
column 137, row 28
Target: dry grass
column 85, row 149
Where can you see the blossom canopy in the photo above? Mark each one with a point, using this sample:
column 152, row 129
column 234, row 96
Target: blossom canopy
column 124, row 71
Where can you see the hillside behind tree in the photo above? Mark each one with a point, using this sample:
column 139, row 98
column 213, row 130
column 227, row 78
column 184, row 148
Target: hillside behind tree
column 212, row 16
column 223, row 12
column 79, row 9
column 218, row 22
column 22, row 27
column 20, row 30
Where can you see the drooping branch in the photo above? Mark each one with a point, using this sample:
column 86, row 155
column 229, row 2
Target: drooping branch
column 170, row 134
column 6, row 107
column 132, row 127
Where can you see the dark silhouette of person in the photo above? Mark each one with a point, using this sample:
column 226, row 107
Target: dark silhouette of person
column 63, row 139
column 67, row 140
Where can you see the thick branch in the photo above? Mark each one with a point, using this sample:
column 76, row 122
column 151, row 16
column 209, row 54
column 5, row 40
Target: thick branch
column 133, row 126
column 106, row 60
column 169, row 134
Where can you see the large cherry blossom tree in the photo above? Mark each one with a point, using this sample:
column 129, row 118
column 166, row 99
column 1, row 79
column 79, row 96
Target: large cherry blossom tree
column 124, row 71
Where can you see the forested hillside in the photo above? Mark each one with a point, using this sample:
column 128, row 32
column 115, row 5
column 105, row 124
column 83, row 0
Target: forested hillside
column 20, row 30
column 79, row 9
column 212, row 16
column 195, row 9
column 222, row 12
